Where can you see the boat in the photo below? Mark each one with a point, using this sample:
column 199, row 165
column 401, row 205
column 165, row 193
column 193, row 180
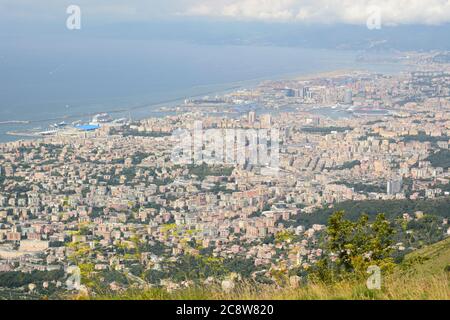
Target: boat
column 101, row 118
column 48, row 132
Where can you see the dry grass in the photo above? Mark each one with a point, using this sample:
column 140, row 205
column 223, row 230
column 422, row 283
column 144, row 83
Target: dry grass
column 395, row 287
column 422, row 280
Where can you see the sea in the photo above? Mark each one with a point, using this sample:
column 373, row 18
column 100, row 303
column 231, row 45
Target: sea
column 44, row 83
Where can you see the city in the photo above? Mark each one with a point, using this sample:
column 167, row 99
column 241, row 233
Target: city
column 110, row 199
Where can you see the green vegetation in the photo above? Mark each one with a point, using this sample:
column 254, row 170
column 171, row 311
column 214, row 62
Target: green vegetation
column 440, row 159
column 423, row 137
column 355, row 246
column 139, row 156
column 17, row 279
column 204, row 170
column 371, row 123
column 20, row 189
column 439, row 207
column 443, row 187
column 347, row 165
column 432, row 259
column 422, row 275
column 412, row 287
column 284, row 236
column 220, row 189
column 368, row 135
column 191, row 267
column 361, row 187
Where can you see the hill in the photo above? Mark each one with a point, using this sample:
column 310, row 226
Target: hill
column 424, row 274
column 432, row 259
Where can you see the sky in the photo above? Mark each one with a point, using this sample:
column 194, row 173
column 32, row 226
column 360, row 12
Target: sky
column 353, row 12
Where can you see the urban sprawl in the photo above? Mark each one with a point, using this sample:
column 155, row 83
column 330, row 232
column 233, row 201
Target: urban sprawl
column 108, row 197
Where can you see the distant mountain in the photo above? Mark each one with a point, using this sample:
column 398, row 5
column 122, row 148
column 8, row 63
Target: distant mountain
column 411, row 37
column 207, row 31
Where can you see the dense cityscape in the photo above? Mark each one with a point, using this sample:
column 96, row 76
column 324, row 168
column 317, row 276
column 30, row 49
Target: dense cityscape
column 108, row 198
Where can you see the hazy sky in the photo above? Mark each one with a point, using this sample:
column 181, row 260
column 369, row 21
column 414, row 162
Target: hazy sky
column 394, row 12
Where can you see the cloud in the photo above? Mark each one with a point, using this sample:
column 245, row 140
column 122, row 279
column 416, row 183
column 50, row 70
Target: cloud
column 393, row 12
column 99, row 10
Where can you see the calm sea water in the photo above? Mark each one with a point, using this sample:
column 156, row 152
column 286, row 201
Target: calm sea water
column 44, row 82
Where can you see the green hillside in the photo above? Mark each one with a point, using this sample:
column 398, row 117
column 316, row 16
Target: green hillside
column 432, row 259
column 424, row 274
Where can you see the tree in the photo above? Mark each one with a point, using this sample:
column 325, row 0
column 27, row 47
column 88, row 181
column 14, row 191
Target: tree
column 351, row 247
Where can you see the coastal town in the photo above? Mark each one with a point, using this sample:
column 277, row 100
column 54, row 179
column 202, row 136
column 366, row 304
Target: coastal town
column 108, row 196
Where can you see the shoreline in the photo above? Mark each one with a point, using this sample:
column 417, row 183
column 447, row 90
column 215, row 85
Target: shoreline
column 229, row 87
column 239, row 85
column 14, row 122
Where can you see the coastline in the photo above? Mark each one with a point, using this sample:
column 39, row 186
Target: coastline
column 158, row 106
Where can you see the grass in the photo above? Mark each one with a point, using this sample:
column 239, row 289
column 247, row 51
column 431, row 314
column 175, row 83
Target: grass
column 421, row 277
column 434, row 287
column 435, row 257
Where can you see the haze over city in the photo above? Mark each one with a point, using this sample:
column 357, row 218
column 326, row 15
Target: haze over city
column 226, row 149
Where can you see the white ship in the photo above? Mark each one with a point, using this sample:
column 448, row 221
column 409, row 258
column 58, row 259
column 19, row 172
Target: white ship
column 101, row 118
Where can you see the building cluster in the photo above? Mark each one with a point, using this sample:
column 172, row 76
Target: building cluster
column 343, row 137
